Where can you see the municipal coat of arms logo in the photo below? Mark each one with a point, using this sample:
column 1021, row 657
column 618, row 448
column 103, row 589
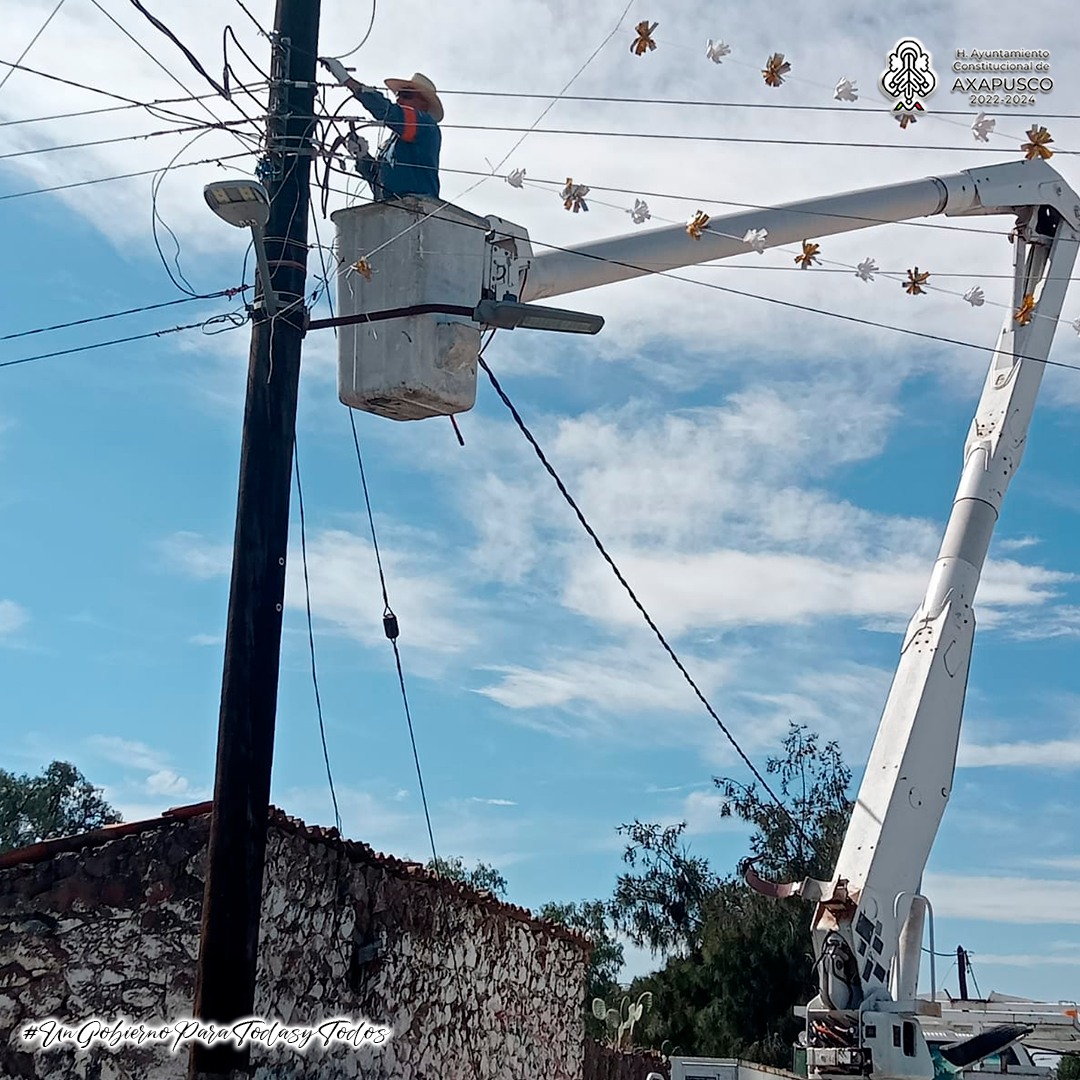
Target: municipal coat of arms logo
column 908, row 76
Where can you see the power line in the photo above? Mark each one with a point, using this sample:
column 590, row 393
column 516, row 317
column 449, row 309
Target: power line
column 629, row 590
column 741, row 139
column 707, row 200
column 41, row 31
column 192, row 59
column 363, row 40
column 221, row 125
column 258, row 25
column 151, row 105
column 836, row 110
column 142, row 48
column 129, row 311
column 809, row 308
column 311, row 634
column 104, row 344
column 646, row 271
column 123, row 176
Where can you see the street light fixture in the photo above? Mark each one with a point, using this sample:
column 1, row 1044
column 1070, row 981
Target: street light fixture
column 508, row 315
column 246, row 204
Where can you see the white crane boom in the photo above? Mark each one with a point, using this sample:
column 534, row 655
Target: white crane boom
column 869, row 918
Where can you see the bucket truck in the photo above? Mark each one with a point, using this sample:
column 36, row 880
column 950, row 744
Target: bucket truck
column 431, row 276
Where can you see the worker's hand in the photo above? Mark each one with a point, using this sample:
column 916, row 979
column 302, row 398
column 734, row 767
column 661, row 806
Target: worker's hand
column 336, row 68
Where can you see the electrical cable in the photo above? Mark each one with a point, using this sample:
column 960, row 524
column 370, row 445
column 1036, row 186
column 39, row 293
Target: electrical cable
column 363, row 40
column 391, row 629
column 129, row 311
column 192, row 59
column 741, row 139
column 125, row 176
column 258, row 25
column 311, row 633
column 835, row 109
column 598, row 543
column 183, row 284
column 127, row 33
column 711, row 200
column 203, row 126
column 503, row 160
column 154, row 107
column 102, row 344
column 41, row 30
column 926, row 335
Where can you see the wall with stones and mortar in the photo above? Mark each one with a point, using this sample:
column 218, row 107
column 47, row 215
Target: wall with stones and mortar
column 472, row 988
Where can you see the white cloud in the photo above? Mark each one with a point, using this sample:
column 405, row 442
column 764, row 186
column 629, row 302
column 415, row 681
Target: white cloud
column 195, row 556
column 128, row 795
column 168, row 782
column 137, row 755
column 1029, row 960
column 1010, row 900
column 1052, row 754
column 493, row 802
column 13, row 617
column 433, row 614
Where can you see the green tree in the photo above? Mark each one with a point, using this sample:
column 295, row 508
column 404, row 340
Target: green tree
column 58, row 802
column 1069, row 1067
column 741, row 961
column 481, row 876
column 606, row 961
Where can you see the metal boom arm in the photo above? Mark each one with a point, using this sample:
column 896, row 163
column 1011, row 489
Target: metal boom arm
column 869, row 918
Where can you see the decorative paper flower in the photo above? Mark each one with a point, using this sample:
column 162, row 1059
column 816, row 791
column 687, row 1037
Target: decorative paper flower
column 643, row 43
column 846, row 90
column 808, row 256
column 906, row 118
column 776, row 67
column 915, row 282
column 983, row 126
column 363, row 268
column 866, row 269
column 696, row 225
column 573, row 196
column 756, row 239
column 516, row 178
column 975, row 296
column 1037, row 147
column 717, row 50
column 1026, row 310
column 640, row 213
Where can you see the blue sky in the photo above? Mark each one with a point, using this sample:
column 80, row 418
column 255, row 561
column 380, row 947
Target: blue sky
column 774, row 483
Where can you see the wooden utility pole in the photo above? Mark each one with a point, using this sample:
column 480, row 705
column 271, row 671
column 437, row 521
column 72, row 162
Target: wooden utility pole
column 228, row 954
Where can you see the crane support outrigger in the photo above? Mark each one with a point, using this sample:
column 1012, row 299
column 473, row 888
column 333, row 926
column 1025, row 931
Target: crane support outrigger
column 868, row 924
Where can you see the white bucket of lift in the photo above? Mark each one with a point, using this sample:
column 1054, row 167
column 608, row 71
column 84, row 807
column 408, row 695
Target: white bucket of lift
column 412, row 367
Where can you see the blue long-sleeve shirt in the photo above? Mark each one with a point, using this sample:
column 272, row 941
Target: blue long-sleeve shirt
column 408, row 162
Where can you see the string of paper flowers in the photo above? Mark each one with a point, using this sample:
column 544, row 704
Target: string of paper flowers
column 777, row 68
column 915, row 281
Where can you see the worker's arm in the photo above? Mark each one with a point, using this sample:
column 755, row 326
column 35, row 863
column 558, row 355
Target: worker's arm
column 403, row 120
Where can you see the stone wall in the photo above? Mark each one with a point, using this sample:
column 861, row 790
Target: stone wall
column 603, row 1063
column 472, row 988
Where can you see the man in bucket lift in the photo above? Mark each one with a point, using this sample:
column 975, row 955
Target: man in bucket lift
column 408, row 162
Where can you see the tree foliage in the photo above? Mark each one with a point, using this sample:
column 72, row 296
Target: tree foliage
column 741, row 961
column 661, row 904
column 58, row 802
column 606, row 961
column 481, row 876
column 1069, row 1067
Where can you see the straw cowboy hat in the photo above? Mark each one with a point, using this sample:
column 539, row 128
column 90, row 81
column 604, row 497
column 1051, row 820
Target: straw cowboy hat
column 422, row 85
